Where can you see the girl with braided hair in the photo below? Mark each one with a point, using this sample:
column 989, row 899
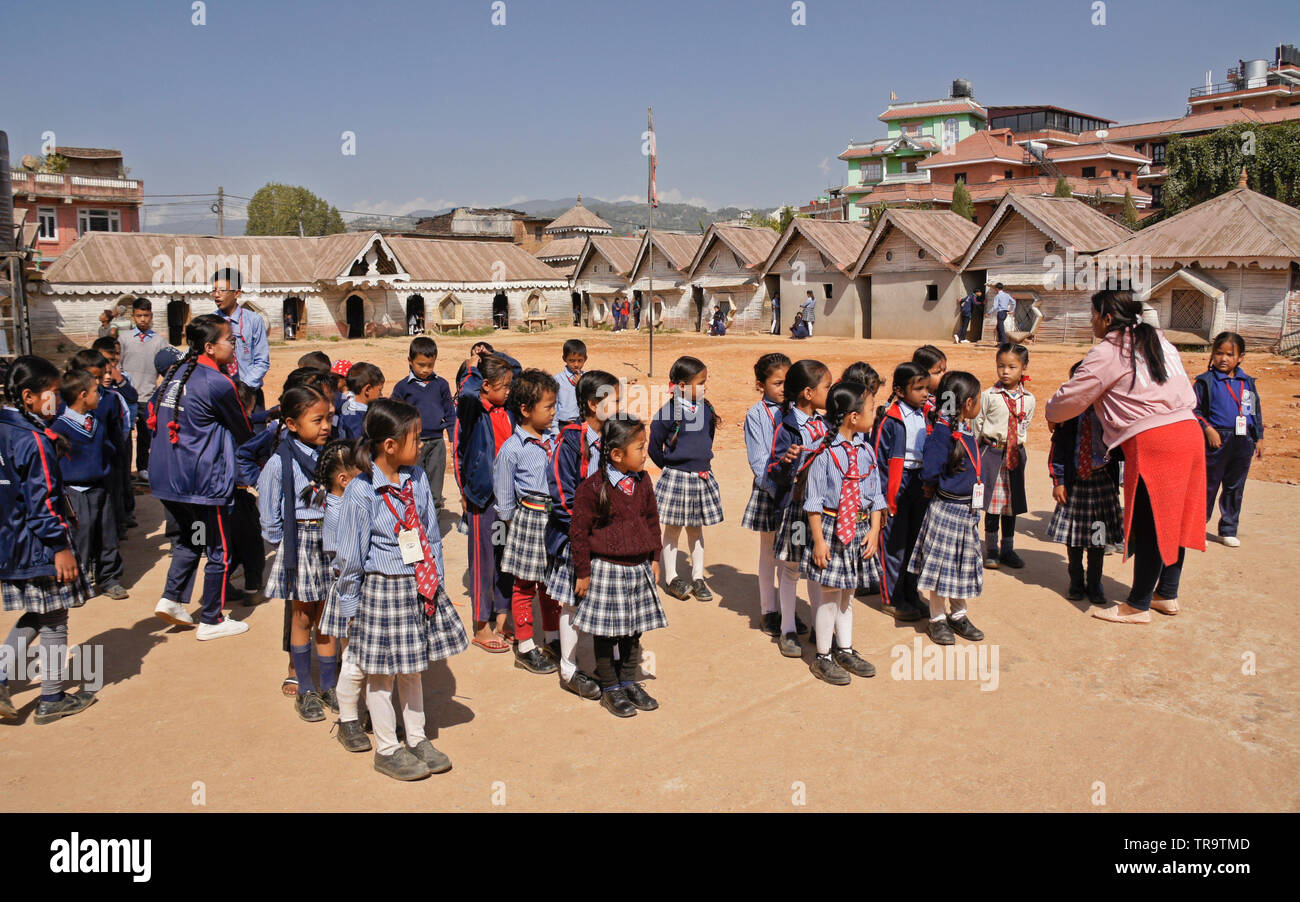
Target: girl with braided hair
column 199, row 421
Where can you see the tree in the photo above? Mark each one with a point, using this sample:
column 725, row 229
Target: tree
column 1198, row 169
column 785, row 216
column 1128, row 213
column 1097, row 200
column 763, row 221
column 55, row 162
column 961, row 202
column 1062, row 188
column 285, row 210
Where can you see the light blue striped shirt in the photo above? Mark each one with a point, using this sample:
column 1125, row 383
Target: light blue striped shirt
column 760, row 429
column 826, row 477
column 270, row 494
column 252, row 349
column 566, row 396
column 520, row 468
column 330, row 529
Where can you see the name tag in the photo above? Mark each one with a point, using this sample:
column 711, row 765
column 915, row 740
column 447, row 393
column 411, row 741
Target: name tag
column 1241, row 425
column 408, row 540
column 1247, row 401
column 977, row 496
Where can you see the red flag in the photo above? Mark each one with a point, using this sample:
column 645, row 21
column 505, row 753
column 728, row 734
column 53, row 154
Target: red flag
column 654, row 161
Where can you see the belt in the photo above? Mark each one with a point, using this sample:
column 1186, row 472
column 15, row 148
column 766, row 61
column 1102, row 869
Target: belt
column 827, row 512
column 536, row 502
column 319, row 521
column 946, row 496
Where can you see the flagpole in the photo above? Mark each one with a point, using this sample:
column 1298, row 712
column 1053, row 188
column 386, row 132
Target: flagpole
column 650, row 248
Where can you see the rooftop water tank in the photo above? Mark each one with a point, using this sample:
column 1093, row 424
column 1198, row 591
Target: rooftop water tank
column 961, row 88
column 1255, row 73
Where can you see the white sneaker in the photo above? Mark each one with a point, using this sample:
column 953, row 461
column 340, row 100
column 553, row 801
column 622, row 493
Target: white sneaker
column 956, row 339
column 1231, row 541
column 226, row 627
column 173, row 613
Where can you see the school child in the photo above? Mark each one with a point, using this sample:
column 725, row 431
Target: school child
column 1229, row 410
column 799, row 329
column 483, row 423
column 947, row 561
column 115, row 382
column 1002, row 426
column 576, row 456
column 841, row 498
column 391, row 586
column 291, row 506
column 468, row 377
column 718, row 326
column 681, row 443
column 192, row 472
column 934, row 362
column 429, row 394
column 523, row 501
column 365, row 384
column 1085, row 485
column 901, row 431
column 761, row 513
column 342, row 394
column 865, row 375
column 86, row 470
column 801, row 430
column 39, row 573
column 111, row 411
column 615, row 537
column 336, row 466
column 566, row 401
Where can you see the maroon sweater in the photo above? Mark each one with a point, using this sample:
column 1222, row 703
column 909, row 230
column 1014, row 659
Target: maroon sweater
column 630, row 536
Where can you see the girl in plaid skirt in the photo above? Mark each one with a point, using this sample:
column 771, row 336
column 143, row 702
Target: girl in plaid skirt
column 946, row 559
column 1002, row 426
column 681, row 443
column 39, row 573
column 390, row 582
column 865, row 374
column 291, row 505
column 523, row 501
column 842, row 499
column 615, row 539
column 761, row 513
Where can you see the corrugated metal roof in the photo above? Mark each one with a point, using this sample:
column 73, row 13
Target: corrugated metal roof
column 1210, row 120
column 88, row 153
column 750, row 245
column 1067, row 221
column 560, row 248
column 841, row 242
column 943, row 234
column 620, row 252
column 1094, row 149
column 1242, row 224
column 677, row 248
column 578, row 217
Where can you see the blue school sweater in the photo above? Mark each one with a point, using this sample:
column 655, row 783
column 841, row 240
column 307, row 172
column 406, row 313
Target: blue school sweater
column 91, row 455
column 693, row 449
column 432, row 399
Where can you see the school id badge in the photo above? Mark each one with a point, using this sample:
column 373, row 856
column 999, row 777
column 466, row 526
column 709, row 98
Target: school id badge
column 1241, row 424
column 977, row 496
column 408, row 540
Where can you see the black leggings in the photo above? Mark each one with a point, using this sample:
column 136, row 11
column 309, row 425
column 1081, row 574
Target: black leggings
column 1008, row 527
column 610, row 673
column 1150, row 573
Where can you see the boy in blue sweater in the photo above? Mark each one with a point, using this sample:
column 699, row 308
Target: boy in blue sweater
column 365, row 383
column 431, row 395
column 86, row 472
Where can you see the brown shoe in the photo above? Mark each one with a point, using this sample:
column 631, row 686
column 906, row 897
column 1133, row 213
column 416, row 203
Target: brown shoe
column 1114, row 613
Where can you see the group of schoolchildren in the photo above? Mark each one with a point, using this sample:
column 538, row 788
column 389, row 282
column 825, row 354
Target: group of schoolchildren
column 849, row 495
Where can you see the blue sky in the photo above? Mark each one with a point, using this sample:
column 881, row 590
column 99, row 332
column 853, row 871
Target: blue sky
column 447, row 108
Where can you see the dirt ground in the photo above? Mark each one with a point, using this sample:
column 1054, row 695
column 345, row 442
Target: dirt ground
column 1191, row 713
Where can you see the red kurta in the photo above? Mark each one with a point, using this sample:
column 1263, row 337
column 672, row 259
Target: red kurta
column 1171, row 461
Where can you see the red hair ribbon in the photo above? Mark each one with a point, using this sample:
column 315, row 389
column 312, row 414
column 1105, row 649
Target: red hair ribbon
column 174, row 432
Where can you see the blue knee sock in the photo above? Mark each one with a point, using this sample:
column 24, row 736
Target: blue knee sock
column 301, row 655
column 329, row 671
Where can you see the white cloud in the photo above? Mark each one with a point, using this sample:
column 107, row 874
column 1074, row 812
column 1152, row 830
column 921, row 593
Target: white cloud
column 668, row 196
column 825, row 165
column 402, row 208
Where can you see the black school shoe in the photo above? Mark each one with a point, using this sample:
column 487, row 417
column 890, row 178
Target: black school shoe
column 824, row 668
column 534, row 661
column 992, row 561
column 581, row 685
column 640, row 699
column 7, row 708
column 964, row 628
column 401, row 765
column 701, row 591
column 552, row 650
column 770, row 625
column 1075, row 592
column 309, row 705
column 941, row 632
column 1096, row 596
column 352, row 736
column 904, row 614
column 330, row 699
column 71, row 703
column 1010, row 559
column 616, row 702
column 789, row 646
column 853, row 662
column 436, row 761
column 679, row 588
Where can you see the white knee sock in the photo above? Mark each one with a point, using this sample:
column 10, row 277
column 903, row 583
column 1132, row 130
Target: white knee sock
column 568, row 642
column 788, row 588
column 958, row 608
column 672, row 534
column 379, row 700
column 349, row 686
column 843, row 617
column 411, row 687
column 766, row 573
column 695, row 542
column 824, row 611
column 938, row 607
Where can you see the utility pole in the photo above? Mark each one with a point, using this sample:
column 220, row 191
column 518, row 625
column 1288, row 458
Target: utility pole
column 221, row 210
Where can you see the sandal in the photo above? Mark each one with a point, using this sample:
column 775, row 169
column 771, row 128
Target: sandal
column 496, row 645
column 289, row 688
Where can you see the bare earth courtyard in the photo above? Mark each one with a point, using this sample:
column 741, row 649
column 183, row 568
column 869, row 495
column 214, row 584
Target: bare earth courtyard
column 1192, row 713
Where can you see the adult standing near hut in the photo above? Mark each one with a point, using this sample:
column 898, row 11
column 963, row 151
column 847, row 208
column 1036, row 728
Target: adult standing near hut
column 140, row 349
column 1135, row 380
column 809, row 310
column 966, row 308
column 1003, row 306
column 252, row 347
column 776, row 314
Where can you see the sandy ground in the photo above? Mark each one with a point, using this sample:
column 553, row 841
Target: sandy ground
column 1192, row 713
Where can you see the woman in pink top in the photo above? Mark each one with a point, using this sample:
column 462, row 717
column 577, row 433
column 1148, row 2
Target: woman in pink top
column 1135, row 381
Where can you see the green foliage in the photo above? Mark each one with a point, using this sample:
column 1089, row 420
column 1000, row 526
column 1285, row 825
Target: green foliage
column 961, row 202
column 1097, row 200
column 55, row 162
column 1201, row 168
column 764, row 221
column 279, row 209
column 1128, row 213
column 877, row 211
column 786, row 217
column 1062, row 188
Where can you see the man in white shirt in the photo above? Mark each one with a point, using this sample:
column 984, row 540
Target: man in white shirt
column 1003, row 305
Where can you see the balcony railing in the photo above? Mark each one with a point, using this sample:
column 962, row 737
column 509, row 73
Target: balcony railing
column 62, row 184
column 893, row 178
column 1228, row 87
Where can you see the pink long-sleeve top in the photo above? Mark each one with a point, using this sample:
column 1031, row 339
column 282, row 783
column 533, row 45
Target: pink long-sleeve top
column 1125, row 406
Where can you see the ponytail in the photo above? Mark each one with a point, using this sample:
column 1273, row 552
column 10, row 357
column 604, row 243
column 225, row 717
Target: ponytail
column 1143, row 338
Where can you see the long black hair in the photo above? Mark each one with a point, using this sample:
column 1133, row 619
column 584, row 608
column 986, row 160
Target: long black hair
column 592, row 388
column 864, row 374
column 36, row 375
column 843, row 399
column 338, row 455
column 294, row 403
column 768, row 364
column 618, row 431
column 956, row 388
column 385, row 418
column 905, row 374
column 802, row 374
column 1125, row 312
column 683, row 370
column 199, row 333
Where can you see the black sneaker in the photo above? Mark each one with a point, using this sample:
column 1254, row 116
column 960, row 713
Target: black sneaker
column 71, row 703
column 679, row 588
column 330, row 699
column 853, row 662
column 941, row 633
column 1096, row 596
column 1075, row 592
column 964, row 628
column 865, row 592
column 436, row 761
column 1011, row 559
column 903, row 614
column 992, row 561
column 770, row 625
column 352, row 736
column 552, row 650
column 401, row 765
column 701, row 591
column 309, row 706
column 799, row 626
column 824, row 668
column 534, row 661
column 639, row 698
column 114, row 591
column 616, row 702
column 788, row 644
column 7, row 708
column 581, row 685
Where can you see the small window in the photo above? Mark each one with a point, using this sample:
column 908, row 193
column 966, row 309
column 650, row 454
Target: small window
column 1000, row 249
column 920, row 253
column 889, row 255
column 1140, row 148
column 1049, row 247
column 826, row 287
column 48, row 223
column 1157, row 153
column 1006, row 174
column 1090, row 172
column 959, row 177
column 1128, row 173
column 90, row 220
column 1114, row 173
column 932, row 292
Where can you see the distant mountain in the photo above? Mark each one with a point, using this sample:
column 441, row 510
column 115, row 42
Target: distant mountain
column 192, row 225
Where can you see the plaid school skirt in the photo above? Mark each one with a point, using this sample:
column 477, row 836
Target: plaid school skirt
column 332, row 621
column 688, row 499
column 621, row 600
column 391, row 633
column 560, row 578
column 761, row 513
column 524, row 554
column 44, row 595
column 846, row 568
column 949, row 558
column 1089, row 502
column 312, row 583
column 791, row 542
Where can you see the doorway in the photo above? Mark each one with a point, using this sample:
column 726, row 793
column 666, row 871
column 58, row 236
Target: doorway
column 773, row 286
column 864, row 297
column 500, row 311
column 356, row 316
column 697, row 307
column 415, row 314
column 178, row 314
column 293, row 317
column 576, row 300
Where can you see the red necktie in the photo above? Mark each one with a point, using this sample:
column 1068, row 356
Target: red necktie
column 1013, row 435
column 850, row 498
column 90, row 423
column 1085, row 447
column 627, row 485
column 426, row 571
column 816, row 428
